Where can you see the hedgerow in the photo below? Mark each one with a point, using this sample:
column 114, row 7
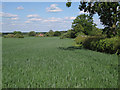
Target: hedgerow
column 100, row 43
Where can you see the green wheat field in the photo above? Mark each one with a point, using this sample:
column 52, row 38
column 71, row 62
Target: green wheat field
column 50, row 62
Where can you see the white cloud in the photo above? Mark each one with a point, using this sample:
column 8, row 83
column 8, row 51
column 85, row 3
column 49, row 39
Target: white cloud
column 7, row 15
column 1, row 23
column 16, row 18
column 53, row 8
column 32, row 16
column 52, row 19
column 27, row 22
column 20, row 8
column 35, row 19
column 72, row 18
column 82, row 12
column 69, row 18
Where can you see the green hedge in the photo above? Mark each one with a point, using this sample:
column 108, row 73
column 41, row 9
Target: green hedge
column 80, row 39
column 13, row 36
column 100, row 43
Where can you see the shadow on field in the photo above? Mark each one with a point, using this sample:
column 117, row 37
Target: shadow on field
column 71, row 48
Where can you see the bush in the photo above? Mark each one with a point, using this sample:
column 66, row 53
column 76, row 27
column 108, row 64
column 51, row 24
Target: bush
column 18, row 36
column 9, row 36
column 69, row 34
column 80, row 39
column 49, row 34
column 79, row 33
column 91, row 39
column 32, row 33
column 0, row 34
column 108, row 45
column 57, row 33
column 13, row 36
column 65, row 35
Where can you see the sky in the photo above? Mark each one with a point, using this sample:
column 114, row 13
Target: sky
column 39, row 16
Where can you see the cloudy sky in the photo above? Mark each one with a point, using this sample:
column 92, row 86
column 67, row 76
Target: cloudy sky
column 39, row 16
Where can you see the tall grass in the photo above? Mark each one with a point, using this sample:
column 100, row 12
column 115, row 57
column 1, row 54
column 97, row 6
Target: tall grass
column 44, row 62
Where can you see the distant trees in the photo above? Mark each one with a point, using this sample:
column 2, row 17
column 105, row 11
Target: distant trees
column 0, row 34
column 51, row 33
column 17, row 32
column 57, row 33
column 32, row 33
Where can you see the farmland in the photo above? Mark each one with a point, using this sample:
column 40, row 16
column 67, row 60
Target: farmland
column 50, row 62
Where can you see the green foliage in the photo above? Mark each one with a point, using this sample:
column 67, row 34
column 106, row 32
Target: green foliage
column 64, row 35
column 32, row 33
column 109, row 14
column 108, row 45
column 9, row 36
column 83, row 23
column 49, row 34
column 118, row 29
column 13, row 36
column 57, row 33
column 80, row 39
column 17, row 32
column 41, row 63
column 68, row 34
column 68, row 4
column 18, row 36
column 107, row 11
column 0, row 34
column 79, row 33
column 95, row 32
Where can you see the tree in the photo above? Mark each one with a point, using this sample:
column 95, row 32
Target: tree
column 83, row 23
column 32, row 33
column 57, row 33
column 109, row 13
column 51, row 33
column 0, row 34
column 71, row 34
column 17, row 32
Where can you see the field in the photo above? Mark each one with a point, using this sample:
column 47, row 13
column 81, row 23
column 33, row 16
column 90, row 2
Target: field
column 45, row 62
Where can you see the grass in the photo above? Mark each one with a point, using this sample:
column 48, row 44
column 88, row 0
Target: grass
column 35, row 62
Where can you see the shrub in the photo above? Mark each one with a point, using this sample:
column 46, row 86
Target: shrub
column 13, row 36
column 32, row 33
column 9, row 36
column 18, row 36
column 108, row 45
column 80, row 39
column 79, row 33
column 0, row 34
column 69, row 34
column 49, row 34
column 91, row 39
column 57, row 33
column 64, row 35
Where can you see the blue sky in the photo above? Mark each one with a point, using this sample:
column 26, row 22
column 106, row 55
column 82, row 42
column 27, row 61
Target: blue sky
column 39, row 16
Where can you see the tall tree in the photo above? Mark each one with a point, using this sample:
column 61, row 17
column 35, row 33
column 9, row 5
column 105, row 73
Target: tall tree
column 83, row 23
column 109, row 13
